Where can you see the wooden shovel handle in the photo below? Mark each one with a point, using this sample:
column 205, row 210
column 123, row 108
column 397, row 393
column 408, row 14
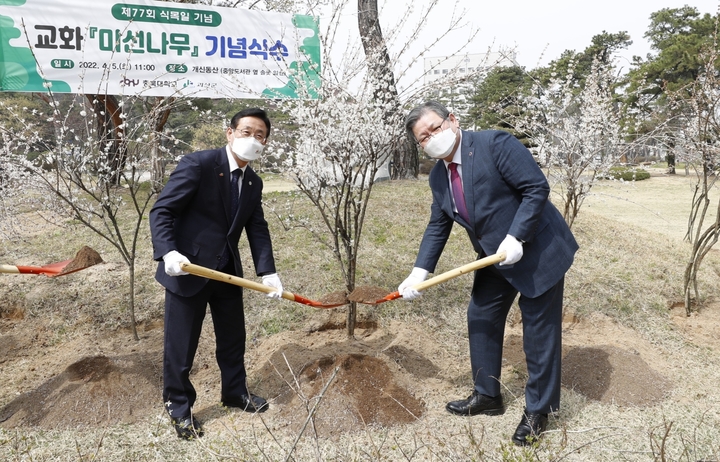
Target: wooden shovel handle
column 198, row 270
column 53, row 269
column 9, row 269
column 442, row 277
column 453, row 273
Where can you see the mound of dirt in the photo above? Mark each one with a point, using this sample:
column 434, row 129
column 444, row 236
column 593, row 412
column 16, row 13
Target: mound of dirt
column 334, row 298
column 349, row 385
column 605, row 373
column 365, row 394
column 386, row 376
column 95, row 391
column 84, row 258
column 612, row 375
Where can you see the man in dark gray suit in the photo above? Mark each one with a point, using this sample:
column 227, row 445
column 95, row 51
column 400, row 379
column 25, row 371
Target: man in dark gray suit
column 210, row 198
column 489, row 183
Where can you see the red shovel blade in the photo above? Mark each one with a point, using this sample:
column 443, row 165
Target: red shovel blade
column 53, row 269
column 391, row 296
column 313, row 303
column 85, row 257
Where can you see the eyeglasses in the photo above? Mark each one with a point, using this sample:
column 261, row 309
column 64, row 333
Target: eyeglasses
column 244, row 133
column 430, row 133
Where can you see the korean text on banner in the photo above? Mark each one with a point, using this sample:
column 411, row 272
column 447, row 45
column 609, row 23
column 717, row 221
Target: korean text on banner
column 153, row 48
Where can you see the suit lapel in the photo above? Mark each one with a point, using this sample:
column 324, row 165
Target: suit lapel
column 447, row 204
column 467, row 157
column 222, row 174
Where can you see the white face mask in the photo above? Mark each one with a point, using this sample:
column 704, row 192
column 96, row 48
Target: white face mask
column 247, row 149
column 440, row 145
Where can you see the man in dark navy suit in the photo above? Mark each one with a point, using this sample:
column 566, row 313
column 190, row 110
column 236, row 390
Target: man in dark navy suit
column 210, row 198
column 489, row 183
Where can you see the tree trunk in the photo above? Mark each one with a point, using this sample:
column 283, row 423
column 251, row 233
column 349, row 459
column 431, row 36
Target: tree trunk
column 350, row 283
column 131, row 268
column 110, row 132
column 376, row 53
column 160, row 118
column 670, row 163
column 406, row 161
column 351, row 319
column 405, row 157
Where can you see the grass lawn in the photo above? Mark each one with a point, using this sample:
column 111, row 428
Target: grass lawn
column 619, row 296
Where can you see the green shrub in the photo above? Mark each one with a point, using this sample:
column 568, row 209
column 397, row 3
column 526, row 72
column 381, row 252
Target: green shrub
column 628, row 174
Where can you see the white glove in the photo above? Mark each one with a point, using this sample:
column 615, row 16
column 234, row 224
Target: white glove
column 172, row 261
column 513, row 250
column 272, row 280
column 417, row 275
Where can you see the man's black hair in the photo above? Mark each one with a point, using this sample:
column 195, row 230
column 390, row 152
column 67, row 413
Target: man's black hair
column 251, row 112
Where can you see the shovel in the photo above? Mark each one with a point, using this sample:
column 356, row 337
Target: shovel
column 85, row 257
column 198, row 270
column 442, row 277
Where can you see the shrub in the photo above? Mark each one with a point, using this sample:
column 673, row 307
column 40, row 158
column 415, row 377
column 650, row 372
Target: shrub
column 627, row 174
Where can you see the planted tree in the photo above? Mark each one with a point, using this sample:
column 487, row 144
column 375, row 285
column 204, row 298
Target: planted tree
column 577, row 135
column 76, row 171
column 345, row 136
column 697, row 140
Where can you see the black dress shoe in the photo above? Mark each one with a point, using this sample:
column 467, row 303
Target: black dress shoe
column 477, row 404
column 530, row 428
column 248, row 403
column 188, row 427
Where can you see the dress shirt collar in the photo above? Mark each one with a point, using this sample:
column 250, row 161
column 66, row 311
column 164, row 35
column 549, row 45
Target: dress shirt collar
column 232, row 162
column 457, row 154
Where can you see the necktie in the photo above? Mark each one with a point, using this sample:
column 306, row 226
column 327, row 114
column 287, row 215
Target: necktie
column 234, row 205
column 235, row 197
column 457, row 190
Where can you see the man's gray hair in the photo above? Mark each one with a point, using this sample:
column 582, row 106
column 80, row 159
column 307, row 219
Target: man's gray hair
column 419, row 111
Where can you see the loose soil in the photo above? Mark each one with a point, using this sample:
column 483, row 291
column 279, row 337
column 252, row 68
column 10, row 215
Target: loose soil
column 334, row 298
column 85, row 258
column 387, row 375
column 368, row 294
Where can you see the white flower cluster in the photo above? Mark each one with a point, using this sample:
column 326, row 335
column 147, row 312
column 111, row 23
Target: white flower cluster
column 341, row 142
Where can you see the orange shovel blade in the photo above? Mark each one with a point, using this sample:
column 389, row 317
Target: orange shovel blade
column 85, row 257
column 52, row 269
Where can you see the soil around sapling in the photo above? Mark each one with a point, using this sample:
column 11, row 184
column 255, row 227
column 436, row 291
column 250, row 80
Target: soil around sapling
column 386, row 376
column 334, row 298
column 368, row 294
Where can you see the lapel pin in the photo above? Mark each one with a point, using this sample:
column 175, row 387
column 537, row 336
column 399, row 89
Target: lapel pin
column 249, row 183
column 222, row 174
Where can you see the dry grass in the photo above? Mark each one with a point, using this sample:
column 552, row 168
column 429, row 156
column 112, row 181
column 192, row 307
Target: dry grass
column 627, row 273
column 660, row 205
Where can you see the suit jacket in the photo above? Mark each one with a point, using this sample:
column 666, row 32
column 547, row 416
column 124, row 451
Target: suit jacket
column 192, row 216
column 505, row 193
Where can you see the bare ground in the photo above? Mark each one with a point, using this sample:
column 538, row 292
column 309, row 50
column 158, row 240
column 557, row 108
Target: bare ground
column 388, row 375
column 392, row 379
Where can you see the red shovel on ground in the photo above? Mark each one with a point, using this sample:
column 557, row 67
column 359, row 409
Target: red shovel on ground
column 198, row 270
column 84, row 258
